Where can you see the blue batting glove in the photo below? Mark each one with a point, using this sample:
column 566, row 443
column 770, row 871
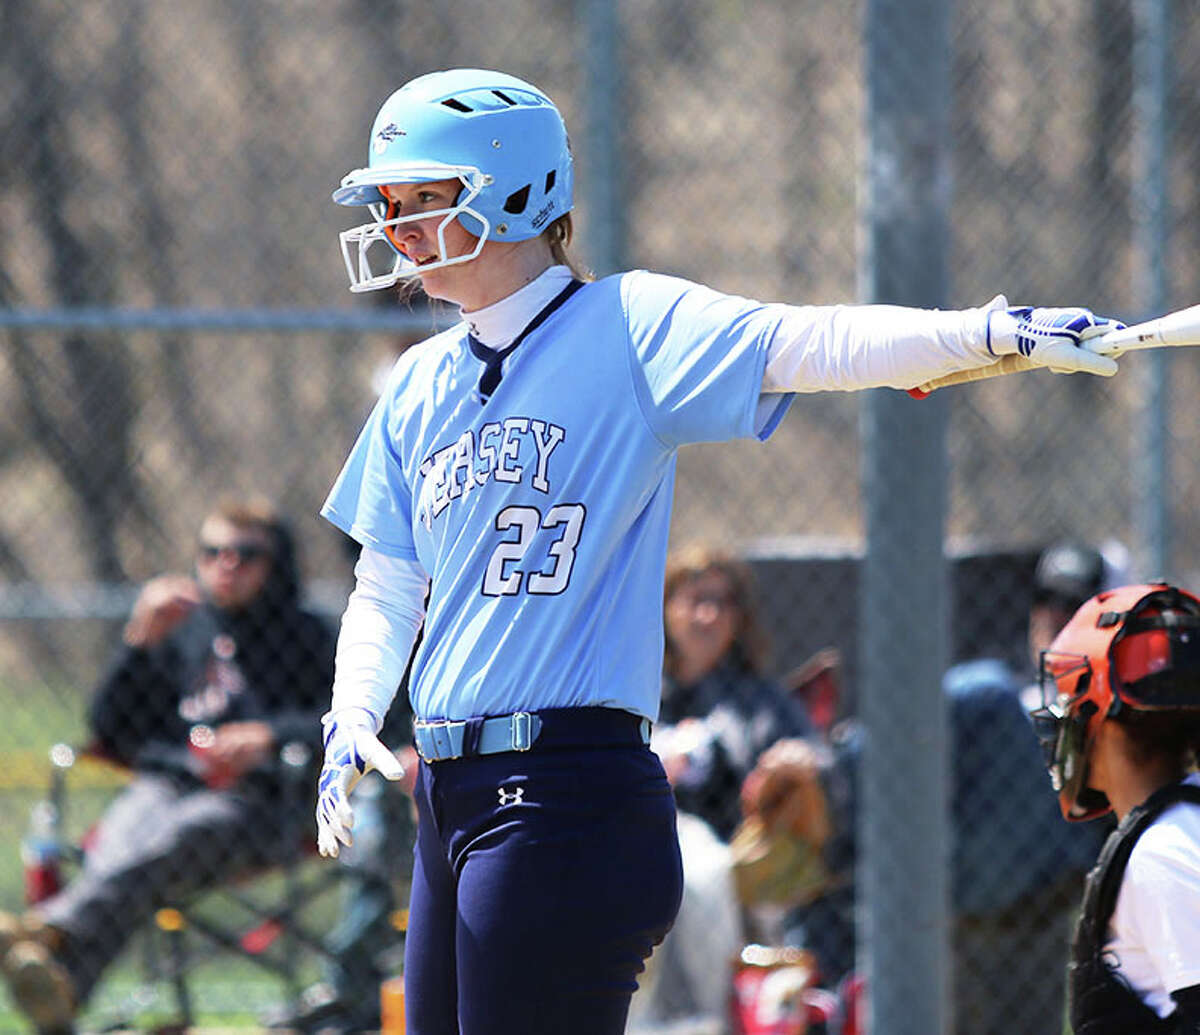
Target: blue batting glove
column 351, row 751
column 1053, row 338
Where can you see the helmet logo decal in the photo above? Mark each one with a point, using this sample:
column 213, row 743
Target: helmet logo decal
column 389, row 133
column 542, row 215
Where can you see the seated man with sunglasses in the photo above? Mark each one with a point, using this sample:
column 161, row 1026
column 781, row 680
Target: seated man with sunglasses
column 215, row 674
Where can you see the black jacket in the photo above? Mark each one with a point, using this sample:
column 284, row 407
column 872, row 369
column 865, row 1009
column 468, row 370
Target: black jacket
column 743, row 714
column 269, row 663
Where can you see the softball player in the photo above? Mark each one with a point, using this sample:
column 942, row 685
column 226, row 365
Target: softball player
column 1121, row 725
column 512, row 490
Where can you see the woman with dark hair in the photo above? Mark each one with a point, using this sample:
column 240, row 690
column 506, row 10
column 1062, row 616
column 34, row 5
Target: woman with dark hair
column 719, row 714
column 720, row 711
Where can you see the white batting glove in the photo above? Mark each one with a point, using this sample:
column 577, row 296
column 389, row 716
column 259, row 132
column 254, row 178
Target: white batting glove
column 351, row 751
column 1052, row 338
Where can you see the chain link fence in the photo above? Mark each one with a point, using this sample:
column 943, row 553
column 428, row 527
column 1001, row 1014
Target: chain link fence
column 174, row 323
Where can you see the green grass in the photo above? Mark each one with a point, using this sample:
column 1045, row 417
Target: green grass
column 228, row 993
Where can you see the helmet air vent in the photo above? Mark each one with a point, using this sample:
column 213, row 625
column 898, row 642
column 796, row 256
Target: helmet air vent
column 455, row 104
column 515, row 203
column 505, row 98
column 551, row 176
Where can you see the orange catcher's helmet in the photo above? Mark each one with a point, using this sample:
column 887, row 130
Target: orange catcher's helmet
column 1133, row 647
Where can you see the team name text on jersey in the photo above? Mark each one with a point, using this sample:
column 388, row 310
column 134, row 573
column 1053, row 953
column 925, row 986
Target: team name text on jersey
column 470, row 461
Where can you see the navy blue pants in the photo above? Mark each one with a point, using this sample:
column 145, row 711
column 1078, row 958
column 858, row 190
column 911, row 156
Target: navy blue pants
column 542, row 881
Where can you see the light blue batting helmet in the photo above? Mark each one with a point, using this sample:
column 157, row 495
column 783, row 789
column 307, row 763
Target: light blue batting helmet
column 501, row 136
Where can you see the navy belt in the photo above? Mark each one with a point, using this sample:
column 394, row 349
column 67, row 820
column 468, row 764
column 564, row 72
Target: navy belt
column 439, row 740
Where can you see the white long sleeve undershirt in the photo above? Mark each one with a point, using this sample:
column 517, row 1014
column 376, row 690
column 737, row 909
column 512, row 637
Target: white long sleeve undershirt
column 844, row 348
column 379, row 627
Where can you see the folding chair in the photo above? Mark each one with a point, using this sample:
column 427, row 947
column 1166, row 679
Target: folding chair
column 264, row 917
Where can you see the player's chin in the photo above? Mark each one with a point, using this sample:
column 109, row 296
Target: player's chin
column 443, row 282
column 433, row 285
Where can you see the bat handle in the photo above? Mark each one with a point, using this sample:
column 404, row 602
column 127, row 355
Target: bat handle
column 1010, row 364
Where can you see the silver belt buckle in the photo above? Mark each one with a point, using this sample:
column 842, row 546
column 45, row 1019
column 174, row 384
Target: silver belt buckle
column 439, row 736
column 522, row 730
column 420, row 737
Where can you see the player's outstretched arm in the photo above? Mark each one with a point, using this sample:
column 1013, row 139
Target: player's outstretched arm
column 846, row 348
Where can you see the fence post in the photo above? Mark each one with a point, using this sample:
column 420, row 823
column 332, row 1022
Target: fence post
column 1151, row 229
column 604, row 135
column 903, row 832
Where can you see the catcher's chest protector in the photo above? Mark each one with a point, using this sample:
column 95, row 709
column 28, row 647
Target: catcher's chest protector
column 1101, row 1004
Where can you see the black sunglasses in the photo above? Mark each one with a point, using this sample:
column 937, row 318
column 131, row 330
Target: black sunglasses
column 245, row 552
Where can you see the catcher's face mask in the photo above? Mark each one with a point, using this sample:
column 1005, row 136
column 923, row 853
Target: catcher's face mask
column 1061, row 725
column 1134, row 647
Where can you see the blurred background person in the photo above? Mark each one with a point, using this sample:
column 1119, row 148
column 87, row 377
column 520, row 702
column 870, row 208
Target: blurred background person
column 1012, row 858
column 719, row 713
column 796, row 849
column 216, row 672
column 1017, row 870
column 1067, row 573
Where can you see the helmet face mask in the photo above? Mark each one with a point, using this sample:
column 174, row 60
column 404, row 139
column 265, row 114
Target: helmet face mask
column 376, row 259
column 1063, row 731
column 500, row 136
column 1136, row 647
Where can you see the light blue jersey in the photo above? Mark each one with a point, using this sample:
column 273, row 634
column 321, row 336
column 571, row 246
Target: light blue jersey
column 541, row 515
